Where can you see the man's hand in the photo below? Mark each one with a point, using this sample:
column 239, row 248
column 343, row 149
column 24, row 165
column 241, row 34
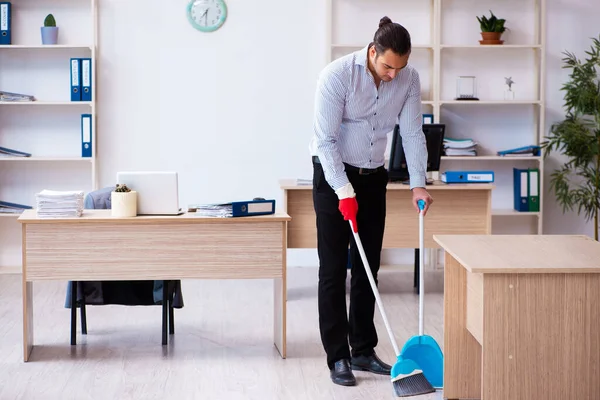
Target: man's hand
column 420, row 193
column 349, row 207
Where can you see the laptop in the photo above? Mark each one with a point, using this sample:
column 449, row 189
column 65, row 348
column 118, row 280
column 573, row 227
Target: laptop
column 157, row 192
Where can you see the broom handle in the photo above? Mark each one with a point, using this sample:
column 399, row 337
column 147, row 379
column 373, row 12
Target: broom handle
column 363, row 256
column 421, row 258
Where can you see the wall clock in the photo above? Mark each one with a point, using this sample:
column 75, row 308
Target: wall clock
column 207, row 15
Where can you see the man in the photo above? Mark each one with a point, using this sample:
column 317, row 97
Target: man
column 358, row 101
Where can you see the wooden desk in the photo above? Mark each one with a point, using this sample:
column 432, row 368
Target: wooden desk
column 98, row 247
column 457, row 209
column 521, row 317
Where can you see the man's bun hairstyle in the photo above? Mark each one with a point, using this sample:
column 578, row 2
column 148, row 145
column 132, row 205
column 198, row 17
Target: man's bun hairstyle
column 383, row 21
column 391, row 36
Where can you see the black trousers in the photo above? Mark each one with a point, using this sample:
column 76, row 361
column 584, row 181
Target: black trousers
column 339, row 330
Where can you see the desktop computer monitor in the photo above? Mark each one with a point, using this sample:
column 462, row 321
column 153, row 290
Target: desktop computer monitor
column 434, row 136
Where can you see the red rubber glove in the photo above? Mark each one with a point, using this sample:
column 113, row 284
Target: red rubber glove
column 349, row 207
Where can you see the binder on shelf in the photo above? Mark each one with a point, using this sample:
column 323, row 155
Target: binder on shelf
column 5, row 23
column 86, row 79
column 5, row 151
column 234, row 209
column 467, row 176
column 86, row 135
column 534, row 189
column 75, row 79
column 521, row 189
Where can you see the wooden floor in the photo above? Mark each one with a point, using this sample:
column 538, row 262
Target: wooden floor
column 222, row 347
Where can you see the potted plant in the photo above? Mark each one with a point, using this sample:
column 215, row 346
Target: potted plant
column 123, row 201
column 491, row 29
column 578, row 138
column 49, row 30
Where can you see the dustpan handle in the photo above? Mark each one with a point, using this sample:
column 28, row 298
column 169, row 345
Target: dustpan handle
column 363, row 256
column 421, row 204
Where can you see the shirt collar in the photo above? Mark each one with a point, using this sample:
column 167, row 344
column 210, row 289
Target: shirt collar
column 362, row 56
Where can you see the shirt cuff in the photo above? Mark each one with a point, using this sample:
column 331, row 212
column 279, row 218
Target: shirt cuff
column 345, row 191
column 417, row 181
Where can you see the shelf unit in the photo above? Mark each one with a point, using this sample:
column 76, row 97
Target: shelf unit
column 442, row 44
column 50, row 127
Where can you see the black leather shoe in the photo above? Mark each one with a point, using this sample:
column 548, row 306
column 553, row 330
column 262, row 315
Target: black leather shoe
column 371, row 363
column 341, row 374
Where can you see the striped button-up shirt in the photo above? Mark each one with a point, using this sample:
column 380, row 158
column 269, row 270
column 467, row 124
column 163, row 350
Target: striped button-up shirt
column 353, row 118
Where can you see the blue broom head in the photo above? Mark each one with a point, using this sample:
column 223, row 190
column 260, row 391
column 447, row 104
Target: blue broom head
column 425, row 352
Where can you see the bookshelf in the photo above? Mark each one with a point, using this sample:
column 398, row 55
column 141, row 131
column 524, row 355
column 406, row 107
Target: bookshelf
column 48, row 128
column 445, row 37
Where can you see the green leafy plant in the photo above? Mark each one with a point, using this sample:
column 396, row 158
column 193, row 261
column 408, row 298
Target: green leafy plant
column 576, row 183
column 122, row 188
column 49, row 20
column 493, row 24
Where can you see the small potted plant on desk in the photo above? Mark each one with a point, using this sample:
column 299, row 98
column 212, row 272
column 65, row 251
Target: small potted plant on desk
column 123, row 201
column 491, row 29
column 49, row 30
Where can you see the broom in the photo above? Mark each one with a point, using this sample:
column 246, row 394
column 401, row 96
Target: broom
column 407, row 378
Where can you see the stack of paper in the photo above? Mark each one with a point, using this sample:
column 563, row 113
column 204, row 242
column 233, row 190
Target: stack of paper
column 460, row 147
column 51, row 203
column 224, row 210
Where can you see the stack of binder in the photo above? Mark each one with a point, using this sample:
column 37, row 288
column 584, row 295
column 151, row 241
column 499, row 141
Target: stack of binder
column 460, row 147
column 526, row 189
column 81, row 79
column 56, row 204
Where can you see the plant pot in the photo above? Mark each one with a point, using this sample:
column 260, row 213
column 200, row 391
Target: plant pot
column 49, row 34
column 123, row 204
column 491, row 38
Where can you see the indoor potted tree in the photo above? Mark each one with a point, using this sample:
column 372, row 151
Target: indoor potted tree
column 49, row 30
column 578, row 137
column 491, row 29
column 123, row 201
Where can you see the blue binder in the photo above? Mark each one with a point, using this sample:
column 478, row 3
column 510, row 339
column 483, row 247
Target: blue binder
column 5, row 22
column 521, row 189
column 86, row 135
column 75, row 79
column 253, row 207
column 86, row 79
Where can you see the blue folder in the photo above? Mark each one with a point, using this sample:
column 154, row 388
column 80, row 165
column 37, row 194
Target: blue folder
column 5, row 23
column 75, row 79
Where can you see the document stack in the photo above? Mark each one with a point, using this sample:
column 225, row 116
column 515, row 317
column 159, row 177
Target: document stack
column 460, row 147
column 55, row 204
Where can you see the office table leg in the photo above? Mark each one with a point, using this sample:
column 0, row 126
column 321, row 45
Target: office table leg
column 27, row 319
column 279, row 300
column 462, row 353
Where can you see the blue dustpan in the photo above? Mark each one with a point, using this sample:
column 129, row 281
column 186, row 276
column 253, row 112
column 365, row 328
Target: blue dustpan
column 423, row 350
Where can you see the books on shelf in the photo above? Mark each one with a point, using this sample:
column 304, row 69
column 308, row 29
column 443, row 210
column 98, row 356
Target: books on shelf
column 460, row 147
column 4, row 151
column 52, row 203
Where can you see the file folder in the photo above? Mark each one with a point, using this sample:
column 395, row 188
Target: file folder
column 467, row 176
column 86, row 135
column 86, row 79
column 521, row 189
column 75, row 79
column 234, row 209
column 254, row 207
column 534, row 189
column 5, row 22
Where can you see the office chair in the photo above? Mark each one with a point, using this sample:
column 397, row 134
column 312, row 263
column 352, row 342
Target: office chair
column 144, row 292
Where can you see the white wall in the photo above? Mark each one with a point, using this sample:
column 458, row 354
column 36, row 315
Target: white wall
column 231, row 111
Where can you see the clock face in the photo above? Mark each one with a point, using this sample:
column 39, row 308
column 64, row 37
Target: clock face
column 207, row 15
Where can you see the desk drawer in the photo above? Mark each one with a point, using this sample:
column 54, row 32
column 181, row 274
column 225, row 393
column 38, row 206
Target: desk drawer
column 475, row 305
